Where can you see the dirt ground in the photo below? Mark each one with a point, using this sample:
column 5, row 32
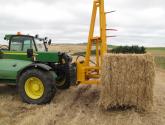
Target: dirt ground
column 78, row 106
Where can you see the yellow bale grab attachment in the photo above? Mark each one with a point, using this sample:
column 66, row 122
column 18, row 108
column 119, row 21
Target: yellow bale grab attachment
column 88, row 73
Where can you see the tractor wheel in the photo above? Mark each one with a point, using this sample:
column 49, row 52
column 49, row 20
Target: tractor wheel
column 63, row 80
column 36, row 86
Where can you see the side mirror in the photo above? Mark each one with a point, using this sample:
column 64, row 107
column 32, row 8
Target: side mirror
column 36, row 36
column 29, row 53
column 46, row 38
column 50, row 42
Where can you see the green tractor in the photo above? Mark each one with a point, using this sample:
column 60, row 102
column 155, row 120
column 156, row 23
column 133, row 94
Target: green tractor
column 26, row 63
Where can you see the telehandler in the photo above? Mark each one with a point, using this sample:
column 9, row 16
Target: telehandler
column 37, row 72
column 26, row 62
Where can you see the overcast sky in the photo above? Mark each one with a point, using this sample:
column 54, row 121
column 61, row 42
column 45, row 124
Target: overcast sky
column 139, row 22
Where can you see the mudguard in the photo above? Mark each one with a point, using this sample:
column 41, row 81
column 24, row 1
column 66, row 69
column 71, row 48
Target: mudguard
column 35, row 65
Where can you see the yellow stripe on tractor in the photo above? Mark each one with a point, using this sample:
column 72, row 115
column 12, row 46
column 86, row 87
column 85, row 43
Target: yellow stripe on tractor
column 11, row 53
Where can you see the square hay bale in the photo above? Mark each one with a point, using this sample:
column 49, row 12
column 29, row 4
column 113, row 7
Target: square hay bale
column 127, row 80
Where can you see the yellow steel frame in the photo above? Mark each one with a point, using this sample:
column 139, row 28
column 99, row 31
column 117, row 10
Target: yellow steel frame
column 86, row 72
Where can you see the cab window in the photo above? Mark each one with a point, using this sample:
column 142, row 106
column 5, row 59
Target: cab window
column 28, row 44
column 16, row 46
column 21, row 43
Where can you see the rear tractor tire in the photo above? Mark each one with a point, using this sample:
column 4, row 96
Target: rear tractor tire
column 36, row 86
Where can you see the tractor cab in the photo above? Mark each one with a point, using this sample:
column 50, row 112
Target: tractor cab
column 22, row 43
column 27, row 47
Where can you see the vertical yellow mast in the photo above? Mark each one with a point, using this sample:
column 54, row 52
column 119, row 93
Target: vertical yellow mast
column 103, row 35
column 87, row 73
column 91, row 32
column 98, row 4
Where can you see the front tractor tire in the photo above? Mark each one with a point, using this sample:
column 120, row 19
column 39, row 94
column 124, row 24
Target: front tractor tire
column 36, row 86
column 63, row 80
column 63, row 71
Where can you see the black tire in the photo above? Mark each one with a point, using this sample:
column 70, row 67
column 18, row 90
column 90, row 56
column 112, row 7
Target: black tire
column 66, row 76
column 47, row 81
column 63, row 71
column 12, row 86
column 63, row 80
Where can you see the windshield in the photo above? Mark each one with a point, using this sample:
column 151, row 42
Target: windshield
column 21, row 43
column 40, row 45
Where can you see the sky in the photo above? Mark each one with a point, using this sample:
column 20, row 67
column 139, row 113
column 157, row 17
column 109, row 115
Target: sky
column 139, row 22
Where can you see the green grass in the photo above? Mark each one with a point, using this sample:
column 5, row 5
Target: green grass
column 160, row 61
column 158, row 51
column 112, row 46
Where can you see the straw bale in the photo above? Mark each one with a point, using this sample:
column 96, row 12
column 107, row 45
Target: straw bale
column 127, row 80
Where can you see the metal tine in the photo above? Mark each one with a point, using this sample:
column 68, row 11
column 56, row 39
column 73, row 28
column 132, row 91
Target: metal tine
column 111, row 36
column 112, row 29
column 110, row 12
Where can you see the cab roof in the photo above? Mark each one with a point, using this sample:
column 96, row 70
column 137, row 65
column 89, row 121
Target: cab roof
column 8, row 36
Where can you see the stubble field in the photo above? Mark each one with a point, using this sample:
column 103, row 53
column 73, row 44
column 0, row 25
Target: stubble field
column 78, row 105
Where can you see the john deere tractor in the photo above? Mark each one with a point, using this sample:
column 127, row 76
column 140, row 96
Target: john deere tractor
column 26, row 62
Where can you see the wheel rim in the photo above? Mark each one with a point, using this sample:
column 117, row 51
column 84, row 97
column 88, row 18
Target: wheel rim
column 60, row 81
column 34, row 88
